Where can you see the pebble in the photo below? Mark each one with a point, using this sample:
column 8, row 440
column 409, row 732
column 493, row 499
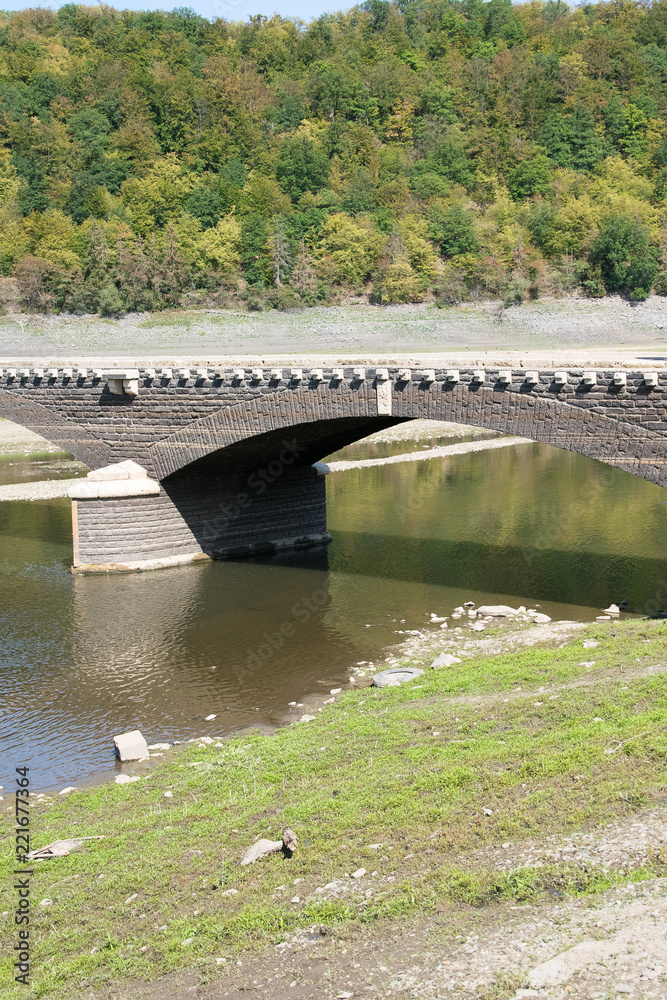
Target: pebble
column 359, row 873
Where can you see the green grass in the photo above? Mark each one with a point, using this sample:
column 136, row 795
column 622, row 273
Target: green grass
column 411, row 768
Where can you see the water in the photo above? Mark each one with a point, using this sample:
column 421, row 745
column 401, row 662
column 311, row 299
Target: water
column 83, row 658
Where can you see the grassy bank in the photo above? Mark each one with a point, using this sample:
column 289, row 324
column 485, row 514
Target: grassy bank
column 493, row 750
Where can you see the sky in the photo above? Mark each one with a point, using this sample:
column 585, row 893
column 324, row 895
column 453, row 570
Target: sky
column 230, row 10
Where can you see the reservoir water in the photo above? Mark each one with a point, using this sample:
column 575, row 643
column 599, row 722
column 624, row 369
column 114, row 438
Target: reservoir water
column 84, row 658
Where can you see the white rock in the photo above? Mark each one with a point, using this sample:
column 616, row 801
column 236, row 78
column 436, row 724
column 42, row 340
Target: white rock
column 46, row 902
column 541, row 619
column 125, row 779
column 187, row 941
column 487, row 812
column 230, row 892
column 478, row 627
column 359, row 873
column 296, row 899
column 603, row 618
column 209, row 718
column 159, row 746
column 168, row 795
column 66, row 791
column 613, row 609
column 335, row 691
column 436, row 618
column 445, row 660
column 306, row 718
column 591, row 643
column 130, row 746
column 497, row 611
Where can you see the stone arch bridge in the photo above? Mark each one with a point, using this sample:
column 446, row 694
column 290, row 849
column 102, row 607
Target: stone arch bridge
column 196, row 462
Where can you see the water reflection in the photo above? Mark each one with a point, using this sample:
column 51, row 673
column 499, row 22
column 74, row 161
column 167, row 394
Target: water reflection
column 86, row 657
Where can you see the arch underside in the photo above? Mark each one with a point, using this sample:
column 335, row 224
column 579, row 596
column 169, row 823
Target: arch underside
column 66, row 434
column 317, row 423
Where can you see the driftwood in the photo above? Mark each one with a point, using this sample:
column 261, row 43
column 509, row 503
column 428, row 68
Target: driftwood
column 58, row 848
column 264, row 847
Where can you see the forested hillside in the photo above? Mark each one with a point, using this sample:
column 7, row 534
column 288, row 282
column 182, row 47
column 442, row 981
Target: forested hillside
column 425, row 148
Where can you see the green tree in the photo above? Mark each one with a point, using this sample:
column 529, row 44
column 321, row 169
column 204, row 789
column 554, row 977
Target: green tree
column 301, row 167
column 532, row 176
column 622, row 251
column 254, row 251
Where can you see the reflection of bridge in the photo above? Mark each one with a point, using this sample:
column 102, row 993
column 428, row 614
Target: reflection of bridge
column 228, row 453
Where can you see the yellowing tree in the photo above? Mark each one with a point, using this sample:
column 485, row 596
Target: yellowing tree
column 350, row 246
column 55, row 239
column 9, row 182
column 220, row 247
column 157, row 197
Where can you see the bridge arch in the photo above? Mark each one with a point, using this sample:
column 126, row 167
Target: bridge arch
column 56, row 428
column 321, row 421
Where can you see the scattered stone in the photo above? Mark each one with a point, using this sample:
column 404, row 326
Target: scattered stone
column 478, row 627
column 125, row 779
column 306, row 718
column 445, row 660
column 159, row 746
column 210, row 718
column 487, row 812
column 540, row 619
column 335, row 691
column 264, row 847
column 603, row 618
column 613, row 609
column 130, row 746
column 359, row 873
column 187, row 941
column 497, row 611
column 230, row 892
column 66, row 791
column 168, row 795
column 590, row 643
column 468, row 604
column 46, row 902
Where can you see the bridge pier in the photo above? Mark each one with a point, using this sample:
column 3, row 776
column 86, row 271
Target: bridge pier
column 195, row 516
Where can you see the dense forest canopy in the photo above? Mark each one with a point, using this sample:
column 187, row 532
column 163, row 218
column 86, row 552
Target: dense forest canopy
column 404, row 150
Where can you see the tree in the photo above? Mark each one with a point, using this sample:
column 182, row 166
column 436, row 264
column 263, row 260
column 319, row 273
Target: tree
column 254, row 256
column 280, row 253
column 627, row 261
column 532, row 176
column 453, row 230
column 303, row 278
column 301, row 167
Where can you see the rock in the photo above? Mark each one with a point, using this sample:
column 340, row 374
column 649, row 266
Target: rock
column 306, row 718
column 130, row 746
column 477, row 627
column 445, row 660
column 497, row 611
column 335, row 691
column 168, row 795
column 359, row 873
column 436, row 618
column 230, row 892
column 66, row 791
column 125, row 779
column 541, row 619
column 591, row 643
column 46, row 902
column 487, row 812
column 603, row 618
column 472, row 614
column 396, row 676
column 159, row 746
column 613, row 609
column 187, row 941
column 468, row 604
column 623, row 988
column 210, row 718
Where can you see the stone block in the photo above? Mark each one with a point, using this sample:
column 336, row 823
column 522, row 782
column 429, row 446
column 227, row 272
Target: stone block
column 130, row 746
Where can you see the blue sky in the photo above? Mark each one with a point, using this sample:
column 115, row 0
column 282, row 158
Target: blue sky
column 231, row 10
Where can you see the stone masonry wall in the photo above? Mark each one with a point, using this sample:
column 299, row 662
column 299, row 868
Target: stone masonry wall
column 218, row 516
